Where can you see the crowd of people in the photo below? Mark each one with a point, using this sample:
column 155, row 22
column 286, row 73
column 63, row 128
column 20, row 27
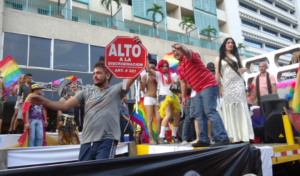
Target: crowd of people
column 106, row 113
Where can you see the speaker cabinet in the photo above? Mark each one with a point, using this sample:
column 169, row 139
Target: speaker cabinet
column 271, row 110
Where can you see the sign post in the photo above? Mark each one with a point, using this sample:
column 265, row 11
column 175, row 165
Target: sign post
column 125, row 58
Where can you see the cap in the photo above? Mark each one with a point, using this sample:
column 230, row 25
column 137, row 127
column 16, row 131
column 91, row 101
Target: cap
column 35, row 86
column 211, row 66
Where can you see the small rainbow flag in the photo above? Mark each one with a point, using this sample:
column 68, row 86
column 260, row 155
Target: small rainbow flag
column 10, row 71
column 57, row 82
column 141, row 118
column 296, row 98
column 173, row 63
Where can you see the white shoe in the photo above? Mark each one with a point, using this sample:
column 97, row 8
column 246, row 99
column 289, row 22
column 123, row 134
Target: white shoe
column 184, row 142
column 195, row 141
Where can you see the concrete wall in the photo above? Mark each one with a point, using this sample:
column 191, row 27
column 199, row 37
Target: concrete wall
column 44, row 26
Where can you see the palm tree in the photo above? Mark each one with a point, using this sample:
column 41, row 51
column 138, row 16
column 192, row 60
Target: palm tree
column 108, row 6
column 156, row 9
column 241, row 46
column 58, row 3
column 208, row 31
column 187, row 23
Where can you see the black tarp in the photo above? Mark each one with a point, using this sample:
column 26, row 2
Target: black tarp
column 231, row 160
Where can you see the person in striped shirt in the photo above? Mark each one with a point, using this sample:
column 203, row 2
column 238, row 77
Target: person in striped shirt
column 192, row 71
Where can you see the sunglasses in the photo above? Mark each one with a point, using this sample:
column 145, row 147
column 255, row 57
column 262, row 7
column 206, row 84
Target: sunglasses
column 153, row 68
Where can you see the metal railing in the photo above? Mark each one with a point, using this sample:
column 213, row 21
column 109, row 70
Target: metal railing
column 83, row 17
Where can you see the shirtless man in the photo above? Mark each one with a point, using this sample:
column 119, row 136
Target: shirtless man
column 150, row 102
column 2, row 88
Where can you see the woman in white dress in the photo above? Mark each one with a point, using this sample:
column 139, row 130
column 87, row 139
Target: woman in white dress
column 235, row 112
column 15, row 91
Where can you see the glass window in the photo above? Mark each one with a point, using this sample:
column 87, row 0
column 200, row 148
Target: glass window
column 271, row 48
column 268, row 16
column 248, row 7
column 270, row 2
column 16, row 46
column 286, row 37
column 39, row 52
column 70, row 56
column 283, row 22
column 97, row 54
column 253, row 43
column 270, row 32
column 281, row 7
column 254, row 26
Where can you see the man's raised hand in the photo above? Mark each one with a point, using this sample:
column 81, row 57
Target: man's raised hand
column 137, row 39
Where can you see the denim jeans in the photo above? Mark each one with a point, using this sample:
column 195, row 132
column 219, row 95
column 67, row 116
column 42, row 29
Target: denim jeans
column 35, row 131
column 123, row 123
column 105, row 149
column 205, row 109
column 187, row 120
column 161, row 98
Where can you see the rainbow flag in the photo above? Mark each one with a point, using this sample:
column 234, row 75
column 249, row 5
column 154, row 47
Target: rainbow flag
column 10, row 71
column 141, row 118
column 57, row 82
column 173, row 63
column 296, row 98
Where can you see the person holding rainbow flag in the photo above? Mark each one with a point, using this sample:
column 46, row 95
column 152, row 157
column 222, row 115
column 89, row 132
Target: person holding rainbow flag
column 35, row 119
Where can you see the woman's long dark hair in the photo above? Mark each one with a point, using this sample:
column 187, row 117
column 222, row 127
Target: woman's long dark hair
column 222, row 53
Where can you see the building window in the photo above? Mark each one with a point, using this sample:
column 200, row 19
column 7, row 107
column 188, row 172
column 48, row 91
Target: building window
column 253, row 43
column 248, row 7
column 70, row 56
column 96, row 54
column 282, row 22
column 270, row 2
column 287, row 38
column 254, row 26
column 271, row 48
column 16, row 46
column 268, row 16
column 281, row 7
column 39, row 52
column 270, row 32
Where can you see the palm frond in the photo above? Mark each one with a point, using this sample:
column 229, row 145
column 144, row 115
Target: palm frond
column 118, row 3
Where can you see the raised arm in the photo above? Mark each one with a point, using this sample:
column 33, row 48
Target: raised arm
column 55, row 105
column 150, row 71
column 184, row 50
column 143, row 83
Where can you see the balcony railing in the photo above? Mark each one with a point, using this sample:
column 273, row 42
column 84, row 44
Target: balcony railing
column 83, row 17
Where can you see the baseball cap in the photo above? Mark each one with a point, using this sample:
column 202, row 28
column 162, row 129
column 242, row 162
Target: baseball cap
column 211, row 66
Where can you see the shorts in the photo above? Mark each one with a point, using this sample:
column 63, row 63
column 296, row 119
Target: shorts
column 150, row 101
column 162, row 98
column 20, row 112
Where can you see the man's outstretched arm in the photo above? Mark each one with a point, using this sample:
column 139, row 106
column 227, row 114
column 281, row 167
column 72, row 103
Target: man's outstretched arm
column 54, row 105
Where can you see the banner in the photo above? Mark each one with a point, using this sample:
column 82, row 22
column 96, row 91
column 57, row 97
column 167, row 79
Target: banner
column 238, row 159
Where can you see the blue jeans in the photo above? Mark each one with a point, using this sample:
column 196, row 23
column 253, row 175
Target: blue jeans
column 35, row 131
column 187, row 120
column 161, row 98
column 205, row 109
column 123, row 123
column 105, row 149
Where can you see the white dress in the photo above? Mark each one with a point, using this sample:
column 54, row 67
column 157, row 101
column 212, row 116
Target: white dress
column 236, row 116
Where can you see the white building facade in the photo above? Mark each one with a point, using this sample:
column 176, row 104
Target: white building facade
column 264, row 26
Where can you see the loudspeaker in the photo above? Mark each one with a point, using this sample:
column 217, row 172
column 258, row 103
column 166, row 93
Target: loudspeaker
column 271, row 110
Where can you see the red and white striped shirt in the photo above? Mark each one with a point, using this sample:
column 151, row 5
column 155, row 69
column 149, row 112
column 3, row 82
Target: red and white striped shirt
column 195, row 73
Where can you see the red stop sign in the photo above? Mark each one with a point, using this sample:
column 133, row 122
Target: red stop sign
column 124, row 58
